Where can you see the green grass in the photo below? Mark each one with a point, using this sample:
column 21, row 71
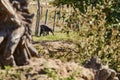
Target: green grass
column 57, row 36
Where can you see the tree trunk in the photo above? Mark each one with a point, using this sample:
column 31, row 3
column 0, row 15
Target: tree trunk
column 37, row 19
column 15, row 33
column 54, row 21
column 41, row 12
column 46, row 16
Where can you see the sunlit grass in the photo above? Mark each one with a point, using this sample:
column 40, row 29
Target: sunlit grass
column 57, row 36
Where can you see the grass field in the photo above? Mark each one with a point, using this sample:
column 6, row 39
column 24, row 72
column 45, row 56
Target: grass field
column 57, row 36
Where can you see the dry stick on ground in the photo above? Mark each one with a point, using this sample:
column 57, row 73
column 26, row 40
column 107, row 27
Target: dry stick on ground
column 15, row 33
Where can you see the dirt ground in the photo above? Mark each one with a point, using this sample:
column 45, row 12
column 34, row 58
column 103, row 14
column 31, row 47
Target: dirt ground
column 49, row 68
column 66, row 51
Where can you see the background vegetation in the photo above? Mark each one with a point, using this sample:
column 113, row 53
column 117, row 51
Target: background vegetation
column 97, row 24
column 94, row 29
column 99, row 32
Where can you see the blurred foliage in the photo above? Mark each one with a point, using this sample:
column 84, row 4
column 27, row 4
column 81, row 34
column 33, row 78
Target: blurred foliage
column 99, row 32
column 111, row 8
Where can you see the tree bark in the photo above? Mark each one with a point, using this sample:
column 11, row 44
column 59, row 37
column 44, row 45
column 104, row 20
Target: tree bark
column 15, row 33
column 46, row 16
column 54, row 21
column 37, row 19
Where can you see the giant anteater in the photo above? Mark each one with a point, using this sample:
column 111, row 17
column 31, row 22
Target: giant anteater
column 44, row 30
